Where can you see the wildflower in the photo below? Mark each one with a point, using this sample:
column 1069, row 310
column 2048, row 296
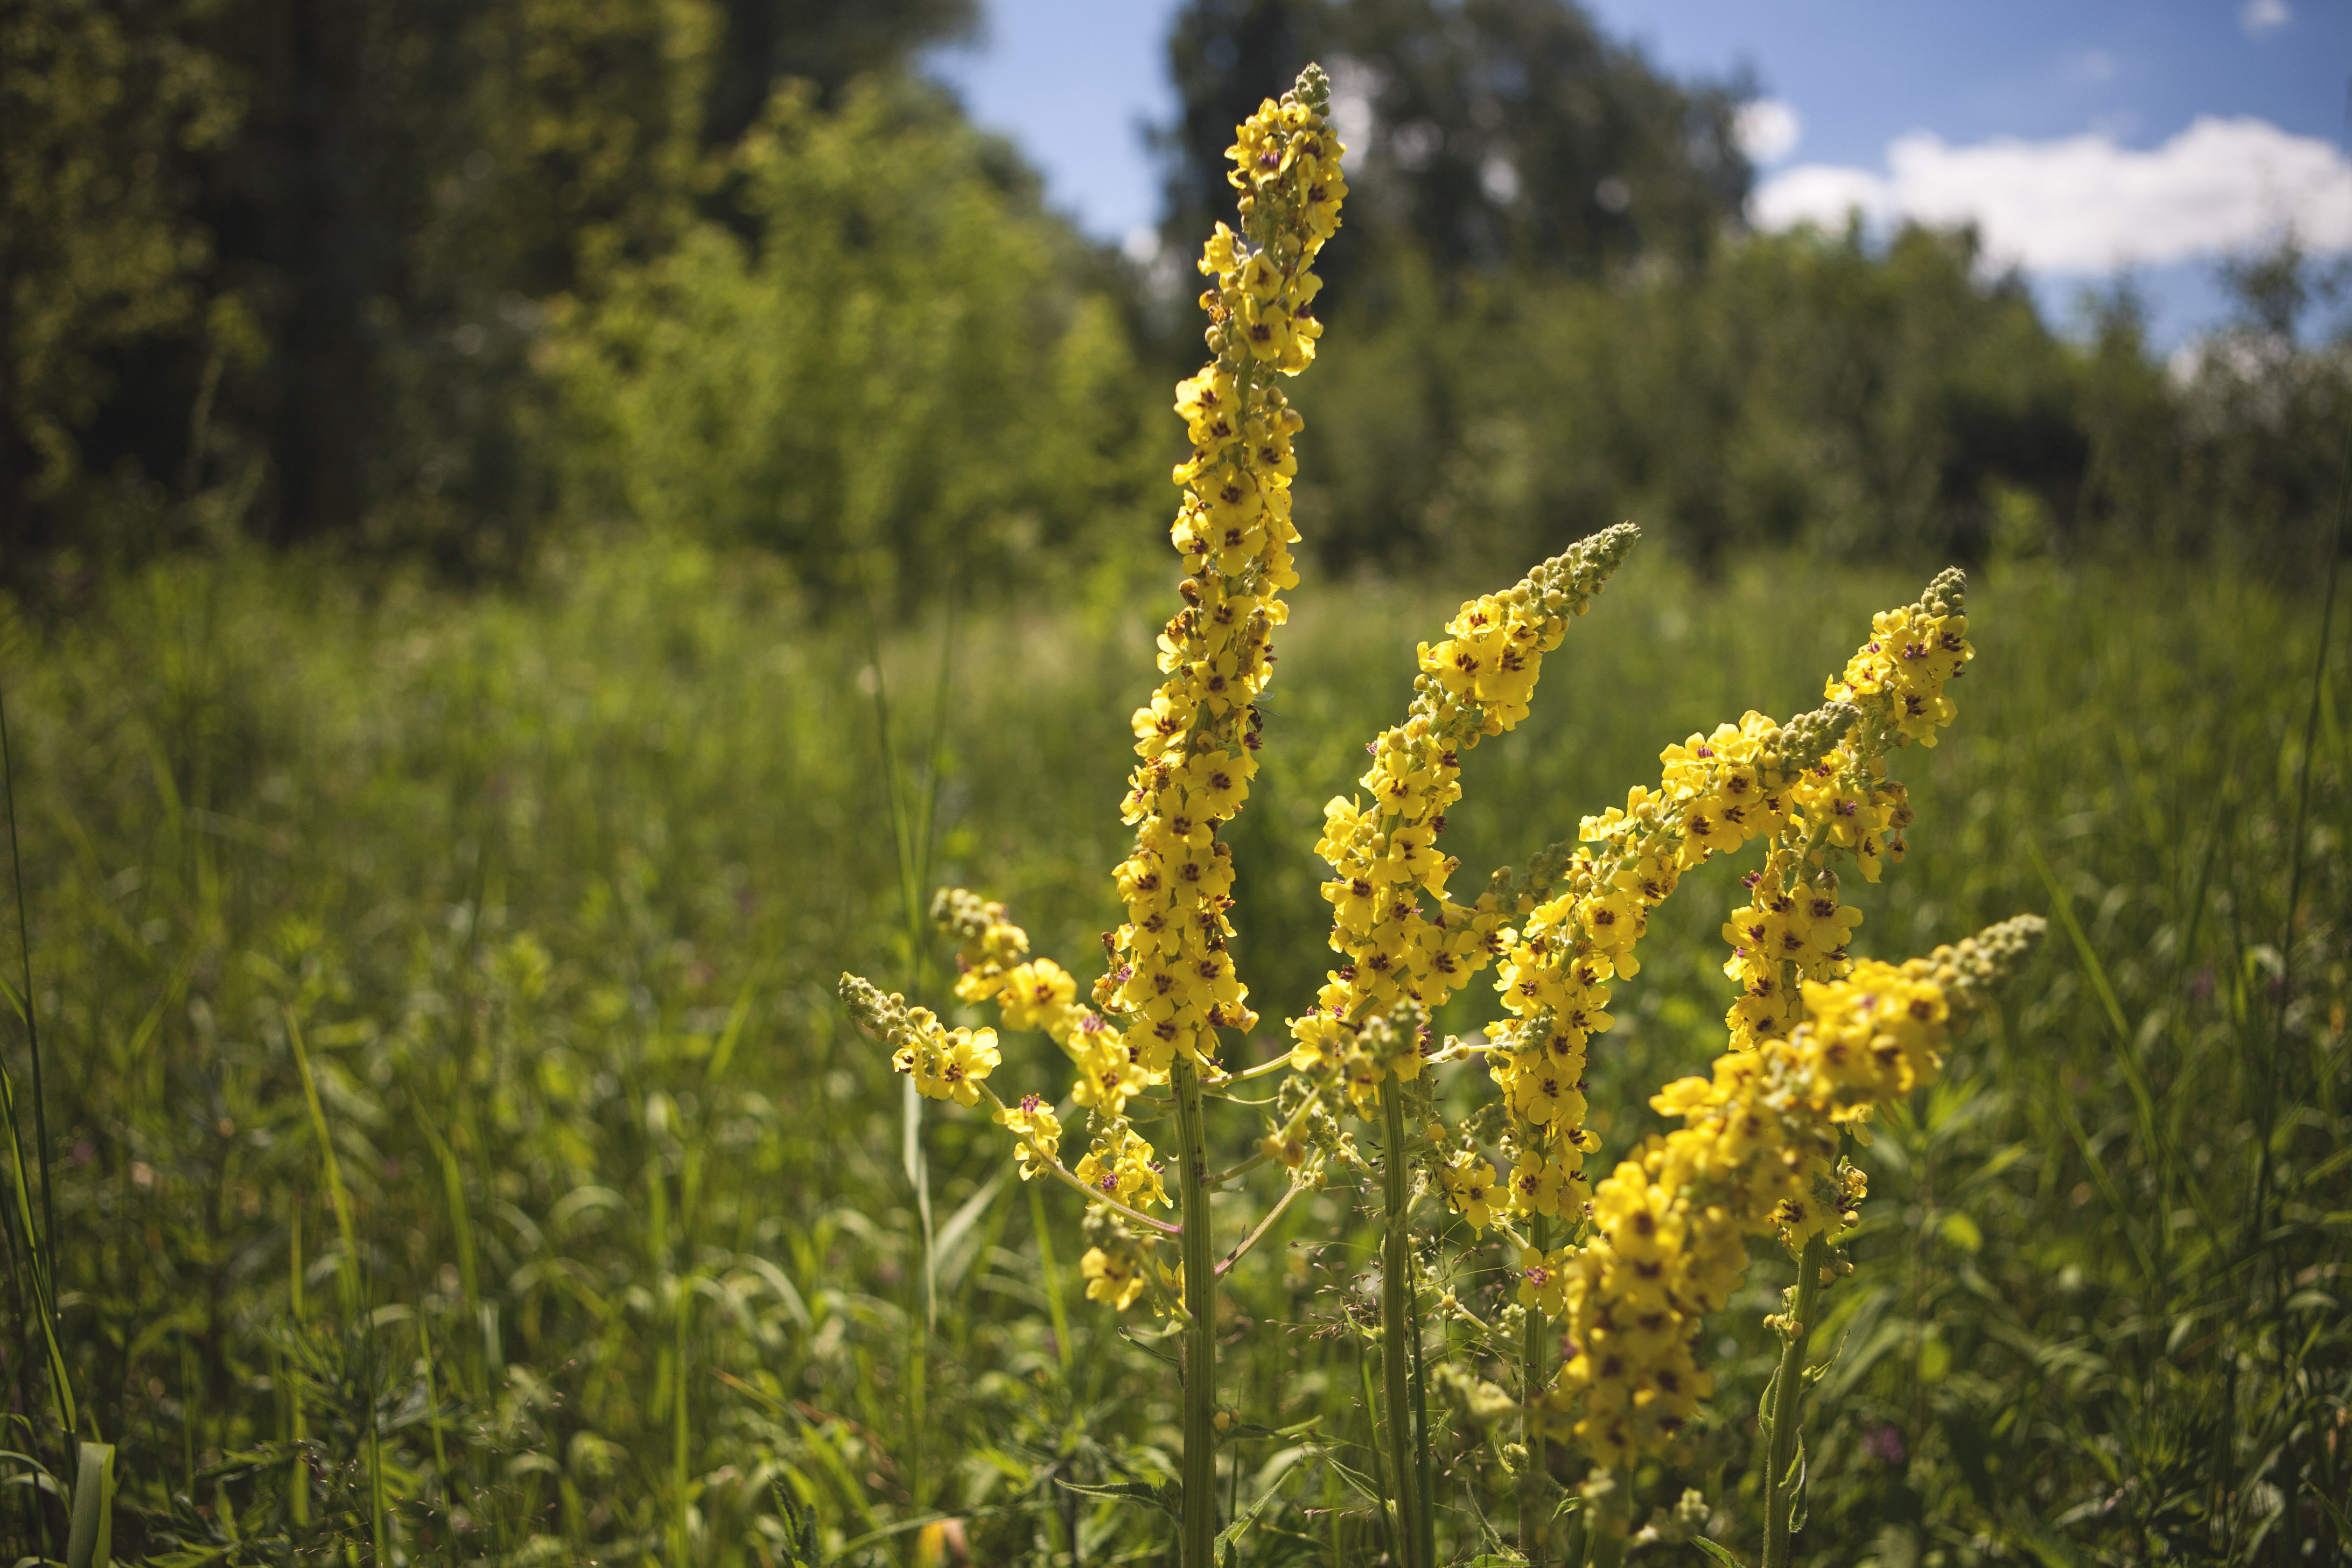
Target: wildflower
column 1038, row 1128
column 1473, row 1187
column 1543, row 1279
column 1034, row 993
column 1113, row 1280
column 1384, row 852
column 1124, row 1166
column 1756, row 1154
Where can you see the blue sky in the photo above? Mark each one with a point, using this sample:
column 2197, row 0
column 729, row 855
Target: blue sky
column 2076, row 132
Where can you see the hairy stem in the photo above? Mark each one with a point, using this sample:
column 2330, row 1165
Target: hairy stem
column 1198, row 1523
column 1787, row 1414
column 1396, row 1265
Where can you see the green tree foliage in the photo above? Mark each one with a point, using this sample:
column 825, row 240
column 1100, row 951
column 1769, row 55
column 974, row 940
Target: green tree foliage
column 1502, row 132
column 1802, row 389
column 895, row 370
column 819, row 41
column 293, row 256
column 433, row 279
column 99, row 104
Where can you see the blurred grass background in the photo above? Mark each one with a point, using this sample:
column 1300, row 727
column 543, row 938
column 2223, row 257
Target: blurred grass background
column 479, row 486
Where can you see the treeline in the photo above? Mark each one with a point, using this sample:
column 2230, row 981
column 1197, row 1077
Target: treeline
column 439, row 281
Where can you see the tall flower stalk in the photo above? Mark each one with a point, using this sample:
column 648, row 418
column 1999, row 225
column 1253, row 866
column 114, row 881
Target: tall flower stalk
column 1170, row 988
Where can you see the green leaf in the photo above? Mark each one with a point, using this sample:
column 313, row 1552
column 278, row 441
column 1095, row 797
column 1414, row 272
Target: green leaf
column 91, row 1542
column 1168, row 1497
column 1718, row 1553
column 947, row 1247
column 1364, row 1486
column 1961, row 1232
column 1226, row 1551
column 1801, row 1506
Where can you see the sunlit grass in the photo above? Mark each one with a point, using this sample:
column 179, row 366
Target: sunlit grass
column 553, row 887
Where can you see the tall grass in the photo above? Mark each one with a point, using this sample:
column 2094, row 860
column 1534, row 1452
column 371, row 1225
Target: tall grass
column 514, row 919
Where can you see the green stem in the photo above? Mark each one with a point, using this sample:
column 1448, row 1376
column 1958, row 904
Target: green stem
column 1786, row 1415
column 433, row 1407
column 298, row 1486
column 1608, row 1520
column 1531, row 1383
column 1396, row 1265
column 1198, row 1523
column 1425, row 1492
column 680, row 1434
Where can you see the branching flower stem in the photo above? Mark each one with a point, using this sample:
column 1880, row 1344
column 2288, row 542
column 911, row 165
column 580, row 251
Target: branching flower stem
column 1263, row 1070
column 1396, row 1265
column 1242, row 1250
column 1281, row 1136
column 1198, row 1518
column 1786, row 1415
column 1054, row 1167
column 1531, row 1436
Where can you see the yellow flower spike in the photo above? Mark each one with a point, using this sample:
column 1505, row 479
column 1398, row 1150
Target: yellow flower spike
column 1757, row 1153
column 1170, row 987
column 1813, row 787
column 1383, row 851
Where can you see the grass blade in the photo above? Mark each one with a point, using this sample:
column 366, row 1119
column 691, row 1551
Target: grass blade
column 92, row 1545
column 349, row 1270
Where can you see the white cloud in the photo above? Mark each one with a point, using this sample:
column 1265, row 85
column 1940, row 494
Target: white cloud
column 1767, row 130
column 2087, row 204
column 2260, row 16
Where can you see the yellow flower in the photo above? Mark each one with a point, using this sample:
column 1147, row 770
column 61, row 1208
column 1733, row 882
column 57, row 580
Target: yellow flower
column 1114, row 1281
column 1542, row 1187
column 1259, row 278
column 1035, row 995
column 946, row 1064
column 1708, row 830
column 1545, row 1094
column 1031, row 1122
column 1163, row 722
column 1217, row 783
column 1472, row 1186
column 1755, row 1155
column 1267, row 328
column 1614, row 920
column 1123, row 1165
column 1542, row 1280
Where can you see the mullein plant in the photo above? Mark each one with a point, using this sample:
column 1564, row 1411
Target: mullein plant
column 1661, row 1242
column 1153, row 1026
column 1627, row 1268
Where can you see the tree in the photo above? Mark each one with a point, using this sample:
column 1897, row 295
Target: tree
column 100, row 106
column 1485, row 134
column 298, row 252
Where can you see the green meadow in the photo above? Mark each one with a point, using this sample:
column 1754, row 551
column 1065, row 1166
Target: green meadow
column 456, row 1151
